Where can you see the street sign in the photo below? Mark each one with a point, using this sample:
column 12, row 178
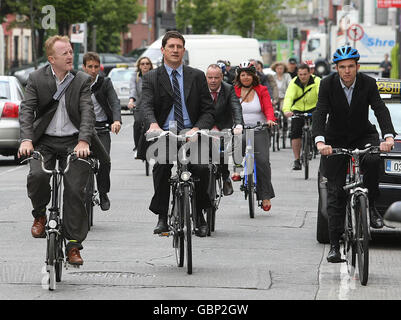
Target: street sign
column 355, row 32
column 389, row 3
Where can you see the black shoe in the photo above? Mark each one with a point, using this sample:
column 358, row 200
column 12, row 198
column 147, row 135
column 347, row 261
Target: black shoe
column 376, row 220
column 297, row 165
column 201, row 228
column 104, row 202
column 227, row 187
column 334, row 255
column 162, row 225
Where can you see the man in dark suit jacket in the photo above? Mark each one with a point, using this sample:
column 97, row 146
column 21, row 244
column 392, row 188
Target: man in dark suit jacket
column 228, row 112
column 55, row 125
column 108, row 118
column 161, row 104
column 345, row 97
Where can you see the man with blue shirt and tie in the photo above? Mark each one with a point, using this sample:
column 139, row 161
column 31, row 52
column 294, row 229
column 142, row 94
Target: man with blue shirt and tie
column 174, row 93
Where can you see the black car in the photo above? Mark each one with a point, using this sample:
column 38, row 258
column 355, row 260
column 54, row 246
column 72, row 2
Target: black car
column 390, row 179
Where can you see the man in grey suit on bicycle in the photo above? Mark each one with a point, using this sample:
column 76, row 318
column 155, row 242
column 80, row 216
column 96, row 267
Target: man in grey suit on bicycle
column 56, row 124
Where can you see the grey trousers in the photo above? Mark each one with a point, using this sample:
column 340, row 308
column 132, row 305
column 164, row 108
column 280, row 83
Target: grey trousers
column 75, row 221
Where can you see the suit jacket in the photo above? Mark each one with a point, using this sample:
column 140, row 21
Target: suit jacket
column 349, row 123
column 157, row 97
column 38, row 108
column 228, row 108
column 107, row 98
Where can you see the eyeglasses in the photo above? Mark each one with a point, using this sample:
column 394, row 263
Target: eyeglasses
column 144, row 63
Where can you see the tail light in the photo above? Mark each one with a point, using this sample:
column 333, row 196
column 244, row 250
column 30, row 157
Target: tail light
column 10, row 110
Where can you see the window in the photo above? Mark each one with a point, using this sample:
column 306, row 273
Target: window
column 313, row 44
column 145, row 12
column 5, row 90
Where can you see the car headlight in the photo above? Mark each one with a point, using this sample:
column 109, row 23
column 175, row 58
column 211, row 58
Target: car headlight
column 185, row 176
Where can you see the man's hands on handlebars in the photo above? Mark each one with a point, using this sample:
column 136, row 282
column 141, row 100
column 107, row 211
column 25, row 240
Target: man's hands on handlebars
column 25, row 148
column 326, row 150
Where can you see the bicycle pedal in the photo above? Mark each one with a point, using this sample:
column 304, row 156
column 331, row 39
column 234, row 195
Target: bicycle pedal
column 74, row 266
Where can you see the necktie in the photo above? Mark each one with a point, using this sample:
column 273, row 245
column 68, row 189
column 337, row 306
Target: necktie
column 177, row 103
column 214, row 94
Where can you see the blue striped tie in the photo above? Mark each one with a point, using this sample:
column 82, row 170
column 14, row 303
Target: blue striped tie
column 178, row 116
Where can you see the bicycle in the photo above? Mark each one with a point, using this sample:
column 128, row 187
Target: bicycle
column 215, row 189
column 55, row 241
column 182, row 215
column 356, row 228
column 308, row 150
column 275, row 131
column 249, row 179
column 91, row 194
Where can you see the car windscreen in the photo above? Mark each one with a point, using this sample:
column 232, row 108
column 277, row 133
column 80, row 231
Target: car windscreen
column 395, row 112
column 121, row 75
column 5, row 90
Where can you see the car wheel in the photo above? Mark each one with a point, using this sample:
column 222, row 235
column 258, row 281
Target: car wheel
column 322, row 226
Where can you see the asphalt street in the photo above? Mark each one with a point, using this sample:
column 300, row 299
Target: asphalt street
column 274, row 256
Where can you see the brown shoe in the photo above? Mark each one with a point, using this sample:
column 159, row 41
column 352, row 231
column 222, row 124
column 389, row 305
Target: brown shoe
column 39, row 227
column 74, row 257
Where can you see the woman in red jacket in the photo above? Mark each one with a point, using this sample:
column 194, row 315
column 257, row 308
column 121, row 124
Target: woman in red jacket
column 256, row 107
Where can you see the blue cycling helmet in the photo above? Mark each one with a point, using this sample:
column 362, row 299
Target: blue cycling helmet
column 345, row 53
column 222, row 66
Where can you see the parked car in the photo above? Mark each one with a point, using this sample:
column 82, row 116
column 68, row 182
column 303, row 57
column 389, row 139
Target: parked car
column 23, row 72
column 120, row 77
column 109, row 61
column 390, row 179
column 11, row 95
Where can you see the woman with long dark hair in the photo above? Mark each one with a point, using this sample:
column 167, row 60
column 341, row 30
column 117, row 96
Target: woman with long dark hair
column 257, row 107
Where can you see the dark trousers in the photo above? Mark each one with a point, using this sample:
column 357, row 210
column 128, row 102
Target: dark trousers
column 334, row 168
column 103, row 176
column 264, row 187
column 75, row 221
column 137, row 126
column 161, row 198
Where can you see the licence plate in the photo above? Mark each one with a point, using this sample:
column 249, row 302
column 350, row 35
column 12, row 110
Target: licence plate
column 393, row 166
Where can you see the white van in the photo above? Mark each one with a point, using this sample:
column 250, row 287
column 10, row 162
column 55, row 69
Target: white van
column 203, row 50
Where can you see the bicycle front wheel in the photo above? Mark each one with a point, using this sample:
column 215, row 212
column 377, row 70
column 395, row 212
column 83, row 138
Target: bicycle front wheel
column 188, row 227
column 51, row 260
column 89, row 198
column 362, row 239
column 349, row 242
column 251, row 196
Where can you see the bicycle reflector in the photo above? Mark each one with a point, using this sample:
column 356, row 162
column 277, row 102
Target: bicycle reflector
column 10, row 110
column 185, row 175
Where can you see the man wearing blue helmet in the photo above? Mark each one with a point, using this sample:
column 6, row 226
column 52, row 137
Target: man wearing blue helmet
column 345, row 98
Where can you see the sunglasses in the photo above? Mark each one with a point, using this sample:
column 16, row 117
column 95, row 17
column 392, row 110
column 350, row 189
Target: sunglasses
column 144, row 63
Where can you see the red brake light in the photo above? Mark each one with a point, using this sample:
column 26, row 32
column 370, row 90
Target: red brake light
column 10, row 110
column 102, row 67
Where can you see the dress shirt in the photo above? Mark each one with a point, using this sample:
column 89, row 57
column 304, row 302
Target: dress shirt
column 61, row 125
column 180, row 79
column 348, row 94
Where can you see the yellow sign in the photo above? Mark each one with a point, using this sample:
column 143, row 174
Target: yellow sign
column 389, row 87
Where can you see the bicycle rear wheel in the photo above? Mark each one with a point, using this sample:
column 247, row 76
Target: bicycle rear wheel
column 187, row 227
column 305, row 155
column 362, row 239
column 251, row 195
column 89, row 198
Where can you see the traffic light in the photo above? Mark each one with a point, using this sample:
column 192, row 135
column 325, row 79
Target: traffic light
column 295, row 33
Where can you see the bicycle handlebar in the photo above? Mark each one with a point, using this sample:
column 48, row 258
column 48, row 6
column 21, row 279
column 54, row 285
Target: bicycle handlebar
column 302, row 115
column 258, row 125
column 36, row 155
column 356, row 152
column 183, row 137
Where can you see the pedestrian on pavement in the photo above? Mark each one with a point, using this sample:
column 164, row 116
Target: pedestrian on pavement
column 57, row 117
column 341, row 121
column 256, row 107
column 176, row 92
column 108, row 118
column 385, row 67
column 300, row 97
column 228, row 113
column 282, row 78
column 143, row 66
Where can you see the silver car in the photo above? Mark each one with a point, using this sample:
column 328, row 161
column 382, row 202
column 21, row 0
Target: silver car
column 11, row 95
column 120, row 77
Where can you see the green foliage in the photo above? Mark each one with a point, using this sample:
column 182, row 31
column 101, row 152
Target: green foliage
column 254, row 18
